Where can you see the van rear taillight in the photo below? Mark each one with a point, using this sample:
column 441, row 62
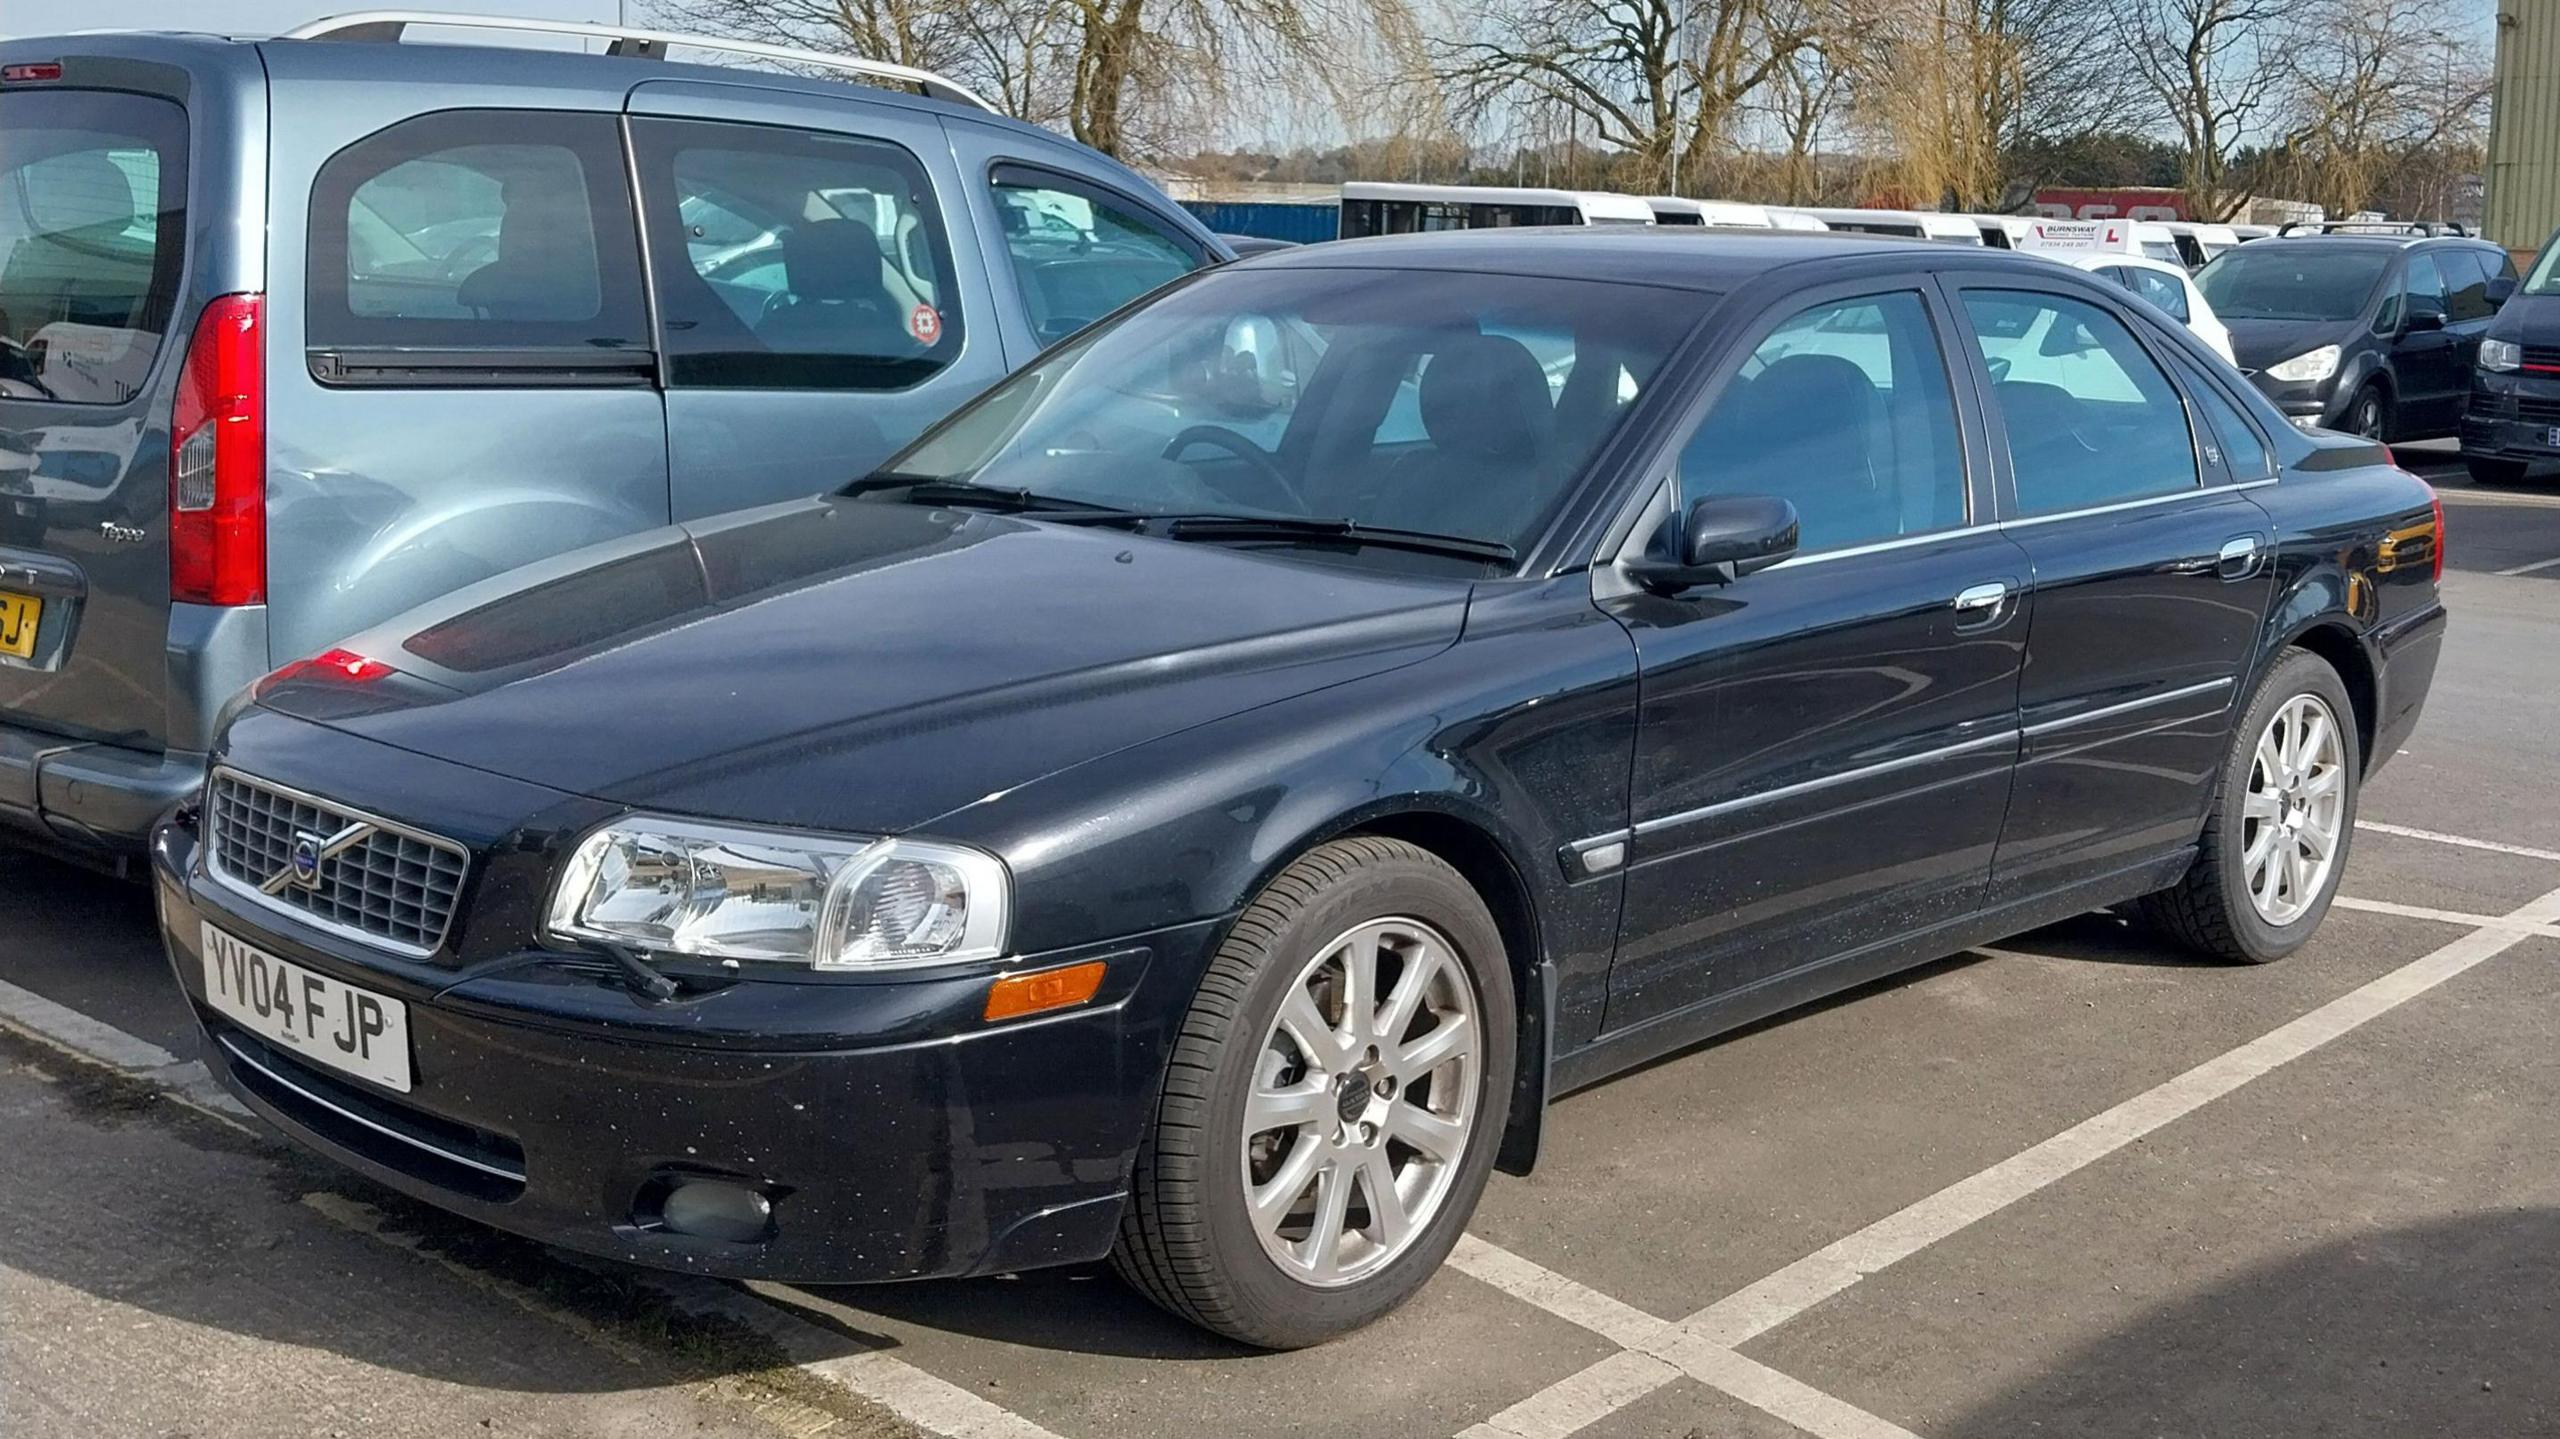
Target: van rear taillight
column 218, row 460
column 31, row 70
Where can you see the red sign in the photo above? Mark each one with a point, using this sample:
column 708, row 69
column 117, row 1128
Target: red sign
column 2119, row 202
column 925, row 323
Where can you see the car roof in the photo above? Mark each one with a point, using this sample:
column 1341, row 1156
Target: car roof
column 2348, row 241
column 1685, row 257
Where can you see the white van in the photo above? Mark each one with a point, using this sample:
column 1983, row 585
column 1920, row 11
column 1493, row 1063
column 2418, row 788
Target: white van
column 1371, row 207
column 1909, row 224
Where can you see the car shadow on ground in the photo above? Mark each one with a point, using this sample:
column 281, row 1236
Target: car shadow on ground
column 1084, row 1309
column 2442, row 1328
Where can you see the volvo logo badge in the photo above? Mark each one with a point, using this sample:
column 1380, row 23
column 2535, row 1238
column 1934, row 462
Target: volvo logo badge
column 303, row 858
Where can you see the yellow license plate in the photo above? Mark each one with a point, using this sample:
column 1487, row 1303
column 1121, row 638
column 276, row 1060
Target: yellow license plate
column 18, row 616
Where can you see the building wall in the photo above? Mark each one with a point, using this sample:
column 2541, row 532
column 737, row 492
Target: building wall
column 2524, row 126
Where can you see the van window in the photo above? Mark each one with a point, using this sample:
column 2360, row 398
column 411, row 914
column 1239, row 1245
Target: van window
column 793, row 259
column 476, row 230
column 1080, row 252
column 92, row 235
column 2466, row 285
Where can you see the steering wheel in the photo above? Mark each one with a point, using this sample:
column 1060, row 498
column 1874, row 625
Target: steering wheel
column 1264, row 468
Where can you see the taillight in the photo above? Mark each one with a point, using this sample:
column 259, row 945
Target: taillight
column 32, row 70
column 218, row 460
column 340, row 665
column 2438, row 502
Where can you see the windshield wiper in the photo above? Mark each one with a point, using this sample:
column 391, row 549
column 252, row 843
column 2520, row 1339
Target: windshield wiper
column 957, row 493
column 1338, row 531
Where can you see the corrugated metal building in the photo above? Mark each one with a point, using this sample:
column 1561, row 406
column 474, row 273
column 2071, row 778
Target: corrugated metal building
column 2524, row 126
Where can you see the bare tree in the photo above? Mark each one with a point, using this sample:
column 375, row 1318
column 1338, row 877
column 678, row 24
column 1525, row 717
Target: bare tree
column 2375, row 82
column 1661, row 79
column 2215, row 70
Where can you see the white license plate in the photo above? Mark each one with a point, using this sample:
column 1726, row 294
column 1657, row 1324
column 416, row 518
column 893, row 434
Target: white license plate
column 2551, row 437
column 307, row 1014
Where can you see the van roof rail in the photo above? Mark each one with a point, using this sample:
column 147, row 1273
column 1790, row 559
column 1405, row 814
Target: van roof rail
column 392, row 26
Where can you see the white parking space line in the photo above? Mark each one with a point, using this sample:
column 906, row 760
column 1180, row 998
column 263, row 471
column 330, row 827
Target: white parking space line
column 2462, row 841
column 1757, row 1308
column 2441, row 916
column 68, row 1029
column 2505, row 501
column 2535, row 568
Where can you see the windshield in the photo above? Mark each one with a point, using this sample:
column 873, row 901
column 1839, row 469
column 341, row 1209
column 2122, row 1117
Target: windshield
column 2545, row 279
column 2307, row 281
column 1454, row 404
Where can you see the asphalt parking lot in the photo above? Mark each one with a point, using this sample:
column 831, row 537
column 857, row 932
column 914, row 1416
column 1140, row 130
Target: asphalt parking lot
column 2079, row 1185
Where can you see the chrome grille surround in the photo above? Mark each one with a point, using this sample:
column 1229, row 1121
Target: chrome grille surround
column 384, row 884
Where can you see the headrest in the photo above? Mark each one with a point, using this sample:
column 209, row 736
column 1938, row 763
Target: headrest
column 832, row 260
column 1486, row 396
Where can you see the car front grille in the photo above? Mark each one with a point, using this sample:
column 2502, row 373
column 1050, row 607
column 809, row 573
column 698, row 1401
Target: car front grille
column 2543, row 357
column 364, row 876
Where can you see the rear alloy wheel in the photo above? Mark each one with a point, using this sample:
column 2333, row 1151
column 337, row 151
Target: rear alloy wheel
column 1333, row 1105
column 2369, row 414
column 2276, row 842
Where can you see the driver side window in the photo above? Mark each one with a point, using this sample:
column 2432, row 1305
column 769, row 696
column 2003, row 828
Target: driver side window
column 1844, row 411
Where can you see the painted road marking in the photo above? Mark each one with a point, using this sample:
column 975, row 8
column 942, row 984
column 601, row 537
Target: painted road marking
column 1790, row 1292
column 2441, row 916
column 2534, row 568
column 2465, row 842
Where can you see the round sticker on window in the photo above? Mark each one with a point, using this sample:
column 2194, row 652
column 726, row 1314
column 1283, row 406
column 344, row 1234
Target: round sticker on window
column 925, row 323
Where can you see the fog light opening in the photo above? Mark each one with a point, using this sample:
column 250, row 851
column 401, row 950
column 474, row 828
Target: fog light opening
column 716, row 1209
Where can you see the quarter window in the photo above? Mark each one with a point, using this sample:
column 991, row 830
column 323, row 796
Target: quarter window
column 1845, row 411
column 2244, row 450
column 788, row 259
column 458, row 231
column 92, row 232
column 2091, row 418
column 1080, row 252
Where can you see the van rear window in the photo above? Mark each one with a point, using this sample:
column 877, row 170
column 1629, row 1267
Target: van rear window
column 93, row 230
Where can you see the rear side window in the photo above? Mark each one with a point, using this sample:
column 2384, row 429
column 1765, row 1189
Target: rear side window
column 2161, row 290
column 1080, row 252
column 93, row 230
column 2091, row 418
column 2466, row 285
column 794, row 259
column 477, row 230
column 2244, row 450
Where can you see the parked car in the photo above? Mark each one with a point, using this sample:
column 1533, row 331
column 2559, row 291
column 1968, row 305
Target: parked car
column 398, row 320
column 2512, row 422
column 1103, row 831
column 2369, row 333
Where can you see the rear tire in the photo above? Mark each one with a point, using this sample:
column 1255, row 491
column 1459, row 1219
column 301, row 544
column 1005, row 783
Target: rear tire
column 1281, row 1087
column 2275, row 843
column 2486, row 471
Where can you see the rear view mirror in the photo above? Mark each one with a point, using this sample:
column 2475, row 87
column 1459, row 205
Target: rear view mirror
column 1719, row 540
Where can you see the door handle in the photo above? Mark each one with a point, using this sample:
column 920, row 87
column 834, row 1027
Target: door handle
column 2239, row 558
column 1982, row 606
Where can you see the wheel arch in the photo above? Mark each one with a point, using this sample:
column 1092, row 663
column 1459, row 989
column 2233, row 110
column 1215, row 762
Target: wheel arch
column 1472, row 844
column 2336, row 642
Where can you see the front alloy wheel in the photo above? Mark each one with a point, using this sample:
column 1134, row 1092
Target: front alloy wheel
column 1364, row 1104
column 1334, row 1100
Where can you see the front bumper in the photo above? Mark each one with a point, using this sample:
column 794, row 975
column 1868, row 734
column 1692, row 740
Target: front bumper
column 2512, row 417
column 2308, row 402
column 897, row 1135
column 93, row 801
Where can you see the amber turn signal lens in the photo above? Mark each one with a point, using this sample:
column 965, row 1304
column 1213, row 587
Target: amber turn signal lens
column 1016, row 995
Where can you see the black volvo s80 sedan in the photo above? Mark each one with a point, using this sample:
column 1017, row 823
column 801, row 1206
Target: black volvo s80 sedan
column 1201, row 802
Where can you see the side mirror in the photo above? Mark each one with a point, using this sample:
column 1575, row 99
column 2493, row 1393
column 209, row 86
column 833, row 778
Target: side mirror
column 2421, row 321
column 2501, row 290
column 1720, row 539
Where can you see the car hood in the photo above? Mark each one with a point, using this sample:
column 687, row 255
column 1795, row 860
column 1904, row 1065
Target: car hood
column 2256, row 344
column 852, row 664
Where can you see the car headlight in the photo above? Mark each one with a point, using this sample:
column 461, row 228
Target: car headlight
column 2317, row 364
column 2501, row 355
column 833, row 902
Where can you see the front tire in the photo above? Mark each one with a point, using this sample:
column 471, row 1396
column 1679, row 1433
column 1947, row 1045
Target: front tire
column 1333, row 1104
column 2369, row 414
column 2283, row 816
